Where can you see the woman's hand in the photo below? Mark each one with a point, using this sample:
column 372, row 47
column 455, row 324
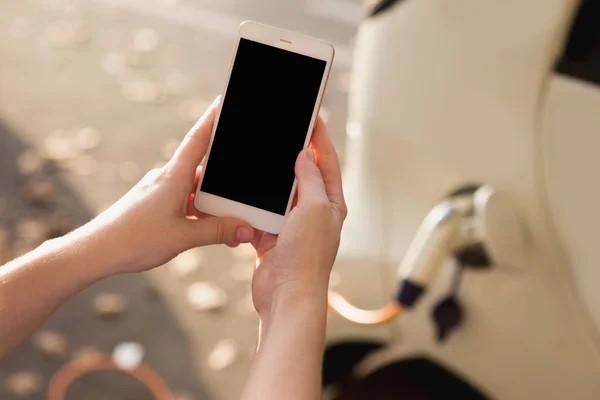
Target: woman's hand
column 298, row 262
column 156, row 219
column 151, row 224
column 290, row 283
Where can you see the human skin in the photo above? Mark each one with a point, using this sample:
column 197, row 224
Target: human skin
column 156, row 220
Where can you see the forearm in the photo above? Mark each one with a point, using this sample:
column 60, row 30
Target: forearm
column 34, row 285
column 288, row 362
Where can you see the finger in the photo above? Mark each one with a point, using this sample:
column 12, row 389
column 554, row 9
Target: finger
column 197, row 178
column 263, row 242
column 190, row 209
column 329, row 164
column 192, row 149
column 258, row 234
column 311, row 187
column 217, row 230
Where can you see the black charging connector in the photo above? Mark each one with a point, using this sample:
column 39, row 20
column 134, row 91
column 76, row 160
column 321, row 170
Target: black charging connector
column 408, row 293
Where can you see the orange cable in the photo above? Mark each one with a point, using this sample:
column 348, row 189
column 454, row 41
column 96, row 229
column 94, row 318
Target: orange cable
column 363, row 317
column 70, row 372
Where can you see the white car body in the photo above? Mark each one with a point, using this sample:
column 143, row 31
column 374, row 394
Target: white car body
column 445, row 94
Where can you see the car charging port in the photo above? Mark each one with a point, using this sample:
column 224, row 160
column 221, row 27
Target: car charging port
column 458, row 227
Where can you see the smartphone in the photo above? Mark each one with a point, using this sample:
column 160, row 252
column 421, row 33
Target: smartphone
column 265, row 119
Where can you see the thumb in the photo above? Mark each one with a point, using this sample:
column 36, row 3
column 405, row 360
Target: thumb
column 218, row 230
column 311, row 187
column 192, row 149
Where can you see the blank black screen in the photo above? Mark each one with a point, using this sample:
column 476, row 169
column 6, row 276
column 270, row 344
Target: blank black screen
column 264, row 119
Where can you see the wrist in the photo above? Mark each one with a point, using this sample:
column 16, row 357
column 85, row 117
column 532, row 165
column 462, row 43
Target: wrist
column 295, row 303
column 293, row 320
column 92, row 251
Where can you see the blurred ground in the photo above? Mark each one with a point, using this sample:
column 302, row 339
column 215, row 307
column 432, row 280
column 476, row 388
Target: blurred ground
column 105, row 88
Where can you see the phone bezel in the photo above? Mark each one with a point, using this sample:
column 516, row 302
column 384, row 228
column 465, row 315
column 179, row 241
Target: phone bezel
column 292, row 41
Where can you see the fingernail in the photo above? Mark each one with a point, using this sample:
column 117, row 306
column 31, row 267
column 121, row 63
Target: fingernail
column 217, row 100
column 310, row 154
column 244, row 234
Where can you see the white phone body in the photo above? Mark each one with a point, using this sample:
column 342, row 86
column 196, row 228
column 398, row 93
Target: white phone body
column 264, row 220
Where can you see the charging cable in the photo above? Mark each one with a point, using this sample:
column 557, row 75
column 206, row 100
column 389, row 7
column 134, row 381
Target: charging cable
column 436, row 238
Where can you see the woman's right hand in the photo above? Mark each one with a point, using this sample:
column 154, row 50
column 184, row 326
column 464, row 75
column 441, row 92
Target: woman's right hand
column 296, row 264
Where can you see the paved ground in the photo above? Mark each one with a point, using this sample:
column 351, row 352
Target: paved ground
column 65, row 65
